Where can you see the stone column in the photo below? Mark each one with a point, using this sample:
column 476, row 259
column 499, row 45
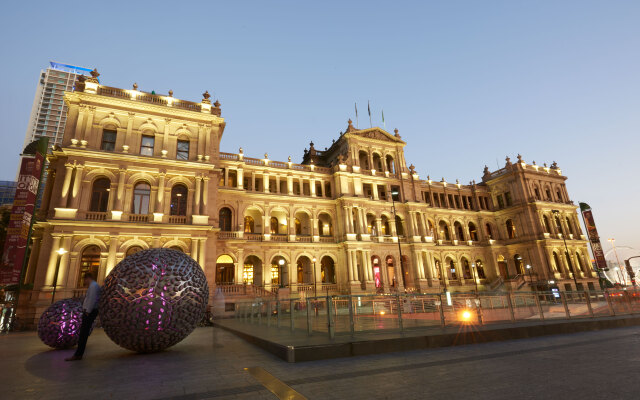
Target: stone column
column 120, row 194
column 165, row 137
column 53, row 260
column 66, row 185
column 374, row 190
column 205, row 194
column 202, row 250
column 350, row 266
column 194, row 249
column 64, row 262
column 89, row 126
column 78, row 134
column 240, row 178
column 160, row 197
column 290, row 184
column 196, row 197
column 111, row 257
column 265, row 182
column 75, row 190
column 127, row 138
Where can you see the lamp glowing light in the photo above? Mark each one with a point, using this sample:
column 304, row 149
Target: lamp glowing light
column 466, row 315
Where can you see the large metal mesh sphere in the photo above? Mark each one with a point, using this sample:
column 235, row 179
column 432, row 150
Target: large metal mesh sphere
column 59, row 325
column 153, row 299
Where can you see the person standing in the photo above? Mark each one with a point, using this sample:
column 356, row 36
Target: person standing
column 89, row 314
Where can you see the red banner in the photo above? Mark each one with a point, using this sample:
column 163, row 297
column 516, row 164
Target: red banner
column 19, row 227
column 592, row 233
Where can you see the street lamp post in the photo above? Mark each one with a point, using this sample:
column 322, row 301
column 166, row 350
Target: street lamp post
column 627, row 264
column 280, row 265
column 566, row 251
column 61, row 251
column 615, row 251
column 315, row 277
column 395, row 217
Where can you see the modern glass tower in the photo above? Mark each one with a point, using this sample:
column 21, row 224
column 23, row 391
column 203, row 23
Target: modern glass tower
column 48, row 113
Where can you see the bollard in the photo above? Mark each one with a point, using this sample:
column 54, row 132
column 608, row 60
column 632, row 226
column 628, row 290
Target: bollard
column 291, row 314
column 612, row 312
column 278, row 312
column 563, row 297
column 400, row 307
column 479, row 310
column 539, row 306
column 441, row 307
column 351, row 322
column 269, row 313
column 510, row 305
column 309, row 324
column 588, row 300
column 330, row 326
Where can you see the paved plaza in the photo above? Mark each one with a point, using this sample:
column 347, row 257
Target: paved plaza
column 212, row 363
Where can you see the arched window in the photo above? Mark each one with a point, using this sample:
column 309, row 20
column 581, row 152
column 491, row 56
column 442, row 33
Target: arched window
column 466, row 268
column 537, row 193
column 249, row 224
column 489, row 232
column 444, row 231
column 100, row 195
column 298, row 226
column 179, row 200
column 556, row 262
column 390, row 165
column 473, row 232
column 399, row 226
column 459, row 231
column 452, row 270
column 558, row 225
column 385, row 226
column 327, row 270
column 517, row 260
column 224, row 215
column 545, row 221
column 141, row 196
column 89, row 262
column 480, row 269
column 511, row 229
column 132, row 250
column 548, row 193
column 569, row 225
column 273, row 221
column 178, row 248
column 363, row 159
column 579, row 259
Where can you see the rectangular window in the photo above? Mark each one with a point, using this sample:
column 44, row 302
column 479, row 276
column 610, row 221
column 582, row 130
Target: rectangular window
column 395, row 193
column 146, row 146
column 500, row 201
column 450, row 198
column 109, row 139
column 507, row 198
column 183, row 150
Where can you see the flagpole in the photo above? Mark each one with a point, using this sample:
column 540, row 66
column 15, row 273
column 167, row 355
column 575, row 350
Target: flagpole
column 369, row 109
column 383, row 122
column 356, row 105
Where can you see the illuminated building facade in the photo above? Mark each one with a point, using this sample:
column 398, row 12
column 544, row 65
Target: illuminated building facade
column 137, row 170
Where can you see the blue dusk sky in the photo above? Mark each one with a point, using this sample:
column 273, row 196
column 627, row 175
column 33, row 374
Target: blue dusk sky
column 466, row 82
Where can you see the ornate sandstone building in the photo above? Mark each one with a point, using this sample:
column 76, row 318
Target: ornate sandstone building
column 137, row 170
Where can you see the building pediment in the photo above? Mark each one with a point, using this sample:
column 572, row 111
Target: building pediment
column 377, row 134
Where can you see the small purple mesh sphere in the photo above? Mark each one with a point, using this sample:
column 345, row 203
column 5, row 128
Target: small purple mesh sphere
column 59, row 325
column 153, row 299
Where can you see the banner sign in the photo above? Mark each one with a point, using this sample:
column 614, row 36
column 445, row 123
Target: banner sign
column 20, row 220
column 592, row 233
